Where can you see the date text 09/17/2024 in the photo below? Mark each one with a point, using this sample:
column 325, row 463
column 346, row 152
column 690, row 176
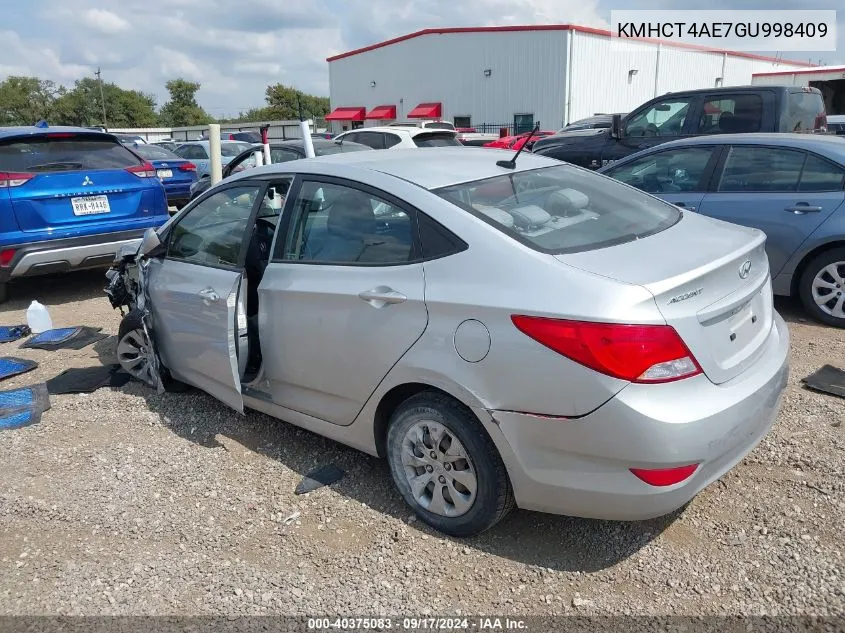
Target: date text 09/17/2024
column 418, row 624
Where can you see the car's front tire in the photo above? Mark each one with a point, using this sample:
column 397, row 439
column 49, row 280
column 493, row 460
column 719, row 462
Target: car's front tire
column 446, row 467
column 822, row 287
column 134, row 350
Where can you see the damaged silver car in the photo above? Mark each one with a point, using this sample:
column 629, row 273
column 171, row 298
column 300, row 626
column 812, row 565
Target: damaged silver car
column 525, row 334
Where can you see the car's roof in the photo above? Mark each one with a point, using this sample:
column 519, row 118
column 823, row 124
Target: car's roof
column 399, row 129
column 31, row 130
column 826, row 144
column 836, row 118
column 428, row 167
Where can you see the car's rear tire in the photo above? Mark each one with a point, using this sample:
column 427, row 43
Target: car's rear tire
column 4, row 292
column 134, row 349
column 822, row 287
column 446, row 467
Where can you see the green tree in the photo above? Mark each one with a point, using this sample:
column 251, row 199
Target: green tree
column 182, row 108
column 124, row 108
column 283, row 103
column 26, row 100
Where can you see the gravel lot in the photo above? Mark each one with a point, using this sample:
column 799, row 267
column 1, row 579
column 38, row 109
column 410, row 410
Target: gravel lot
column 127, row 502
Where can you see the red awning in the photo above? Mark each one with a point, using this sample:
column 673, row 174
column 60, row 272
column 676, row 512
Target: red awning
column 426, row 111
column 382, row 112
column 346, row 114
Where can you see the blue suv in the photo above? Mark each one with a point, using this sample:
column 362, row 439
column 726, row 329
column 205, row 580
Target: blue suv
column 70, row 198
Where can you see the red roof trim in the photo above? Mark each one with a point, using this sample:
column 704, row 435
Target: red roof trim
column 556, row 27
column 382, row 112
column 347, row 113
column 806, row 71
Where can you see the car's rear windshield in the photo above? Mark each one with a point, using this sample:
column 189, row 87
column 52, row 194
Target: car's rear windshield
column 64, row 153
column 436, row 139
column 806, row 111
column 563, row 209
column 439, row 125
column 323, row 149
column 155, row 152
column 233, row 149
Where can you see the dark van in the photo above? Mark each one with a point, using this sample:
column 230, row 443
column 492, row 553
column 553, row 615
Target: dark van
column 691, row 113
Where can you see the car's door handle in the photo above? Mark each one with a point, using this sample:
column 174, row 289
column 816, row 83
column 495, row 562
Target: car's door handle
column 208, row 295
column 382, row 295
column 802, row 208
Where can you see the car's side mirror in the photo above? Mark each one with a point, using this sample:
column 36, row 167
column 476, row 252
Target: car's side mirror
column 616, row 126
column 149, row 242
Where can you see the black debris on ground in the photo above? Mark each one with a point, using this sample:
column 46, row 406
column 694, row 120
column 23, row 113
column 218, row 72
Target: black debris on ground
column 87, row 379
column 828, row 379
column 322, row 476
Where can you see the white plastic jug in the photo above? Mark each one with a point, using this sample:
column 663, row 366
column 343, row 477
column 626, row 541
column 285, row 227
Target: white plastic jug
column 37, row 318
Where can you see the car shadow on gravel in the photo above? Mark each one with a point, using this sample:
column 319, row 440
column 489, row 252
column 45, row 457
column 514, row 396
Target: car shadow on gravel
column 58, row 289
column 548, row 541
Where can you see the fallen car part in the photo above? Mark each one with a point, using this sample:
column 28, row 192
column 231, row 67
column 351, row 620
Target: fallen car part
column 9, row 333
column 87, row 379
column 11, row 366
column 322, row 476
column 66, row 338
column 828, row 379
column 23, row 407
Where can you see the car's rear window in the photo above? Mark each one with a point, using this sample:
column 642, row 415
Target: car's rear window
column 155, row 152
column 64, row 153
column 806, row 110
column 436, row 139
column 563, row 209
column 439, row 125
column 323, row 149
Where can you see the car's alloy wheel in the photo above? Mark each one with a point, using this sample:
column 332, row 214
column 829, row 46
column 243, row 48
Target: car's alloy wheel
column 822, row 287
column 438, row 470
column 445, row 465
column 134, row 353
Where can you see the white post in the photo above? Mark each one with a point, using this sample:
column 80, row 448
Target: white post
column 259, row 158
column 306, row 139
column 214, row 153
column 266, row 148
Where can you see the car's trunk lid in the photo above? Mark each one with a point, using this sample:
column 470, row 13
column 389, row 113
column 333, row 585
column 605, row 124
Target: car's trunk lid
column 710, row 280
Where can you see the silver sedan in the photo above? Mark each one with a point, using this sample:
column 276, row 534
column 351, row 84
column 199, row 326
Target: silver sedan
column 532, row 335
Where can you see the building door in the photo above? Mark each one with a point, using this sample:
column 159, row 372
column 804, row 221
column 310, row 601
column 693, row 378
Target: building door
column 523, row 123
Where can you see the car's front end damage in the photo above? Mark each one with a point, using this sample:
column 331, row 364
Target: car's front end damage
column 127, row 292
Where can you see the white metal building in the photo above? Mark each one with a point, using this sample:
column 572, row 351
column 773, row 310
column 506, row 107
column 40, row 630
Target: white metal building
column 829, row 79
column 513, row 75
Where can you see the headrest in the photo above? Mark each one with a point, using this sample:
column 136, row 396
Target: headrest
column 351, row 215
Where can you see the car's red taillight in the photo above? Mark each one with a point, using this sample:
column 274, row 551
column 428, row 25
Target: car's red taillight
column 187, row 167
column 14, row 179
column 664, row 476
column 638, row 353
column 143, row 171
column 6, row 256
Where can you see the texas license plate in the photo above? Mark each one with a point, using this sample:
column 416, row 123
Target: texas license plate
column 90, row 205
column 165, row 173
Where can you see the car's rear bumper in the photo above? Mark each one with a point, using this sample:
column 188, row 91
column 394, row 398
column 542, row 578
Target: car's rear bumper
column 178, row 191
column 74, row 253
column 580, row 467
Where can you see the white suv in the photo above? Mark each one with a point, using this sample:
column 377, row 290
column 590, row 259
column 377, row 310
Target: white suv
column 430, row 124
column 399, row 136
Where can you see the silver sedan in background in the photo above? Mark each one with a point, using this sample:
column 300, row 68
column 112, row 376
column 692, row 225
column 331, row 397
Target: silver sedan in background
column 532, row 335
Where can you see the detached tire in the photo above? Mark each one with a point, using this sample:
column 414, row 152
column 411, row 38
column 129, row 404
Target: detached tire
column 133, row 346
column 822, row 287
column 446, row 467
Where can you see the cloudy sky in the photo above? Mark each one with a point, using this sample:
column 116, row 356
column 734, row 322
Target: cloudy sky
column 235, row 48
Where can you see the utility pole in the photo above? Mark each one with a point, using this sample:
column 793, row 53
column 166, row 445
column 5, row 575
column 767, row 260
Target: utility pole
column 102, row 98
